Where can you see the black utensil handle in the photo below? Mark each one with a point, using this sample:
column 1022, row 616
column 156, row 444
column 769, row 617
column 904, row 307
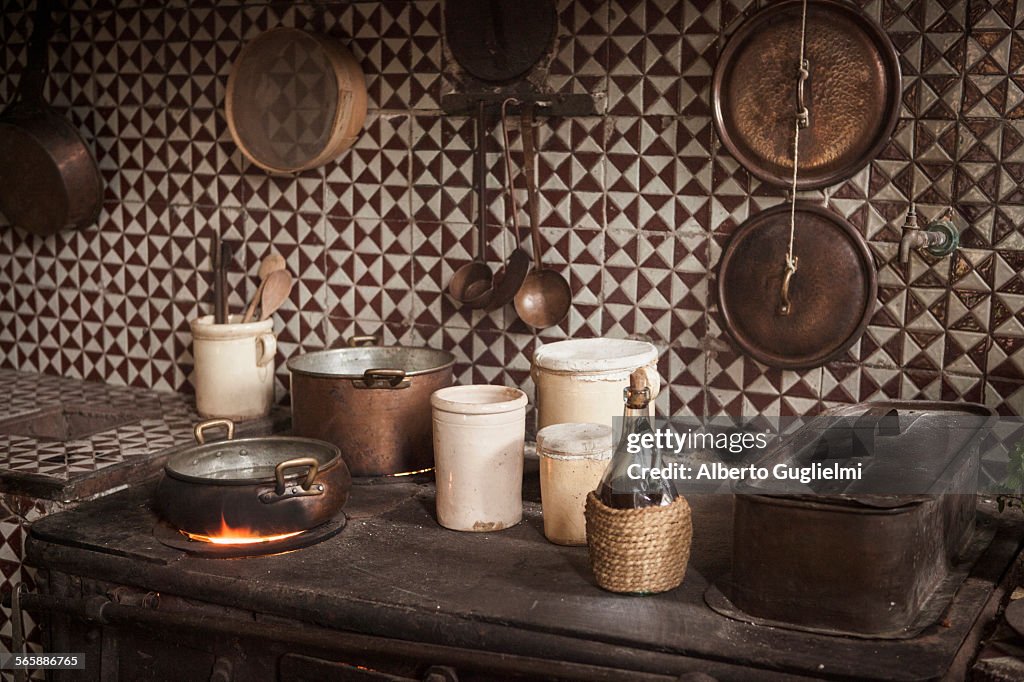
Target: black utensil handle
column 33, row 78
column 218, row 283
column 480, row 166
column 222, row 274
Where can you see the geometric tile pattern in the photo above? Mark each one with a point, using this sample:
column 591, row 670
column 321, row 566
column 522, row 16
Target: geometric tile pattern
column 12, row 571
column 22, row 457
column 636, row 204
column 168, row 423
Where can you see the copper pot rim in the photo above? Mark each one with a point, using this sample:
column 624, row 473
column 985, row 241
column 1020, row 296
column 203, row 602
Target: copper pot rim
column 294, row 363
column 332, row 462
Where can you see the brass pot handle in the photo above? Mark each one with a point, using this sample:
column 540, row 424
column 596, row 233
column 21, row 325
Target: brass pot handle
column 365, row 340
column 382, row 378
column 314, row 469
column 786, row 305
column 199, row 431
column 803, row 117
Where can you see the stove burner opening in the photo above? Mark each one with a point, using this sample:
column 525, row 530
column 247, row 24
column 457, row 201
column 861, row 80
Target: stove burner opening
column 232, row 543
column 230, row 535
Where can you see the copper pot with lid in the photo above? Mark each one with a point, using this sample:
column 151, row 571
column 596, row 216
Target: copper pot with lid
column 371, row 401
column 265, row 486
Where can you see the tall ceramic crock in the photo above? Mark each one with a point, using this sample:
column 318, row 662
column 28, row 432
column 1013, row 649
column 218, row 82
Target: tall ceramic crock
column 479, row 431
column 373, row 402
column 234, row 367
column 581, row 380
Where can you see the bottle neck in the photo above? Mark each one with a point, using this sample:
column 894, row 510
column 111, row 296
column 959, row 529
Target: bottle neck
column 628, row 411
column 637, row 423
column 627, row 483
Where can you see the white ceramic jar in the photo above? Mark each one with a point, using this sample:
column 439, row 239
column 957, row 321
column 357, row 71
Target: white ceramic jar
column 573, row 458
column 234, row 367
column 581, row 380
column 479, row 433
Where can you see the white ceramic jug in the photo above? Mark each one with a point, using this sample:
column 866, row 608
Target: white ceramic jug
column 234, row 367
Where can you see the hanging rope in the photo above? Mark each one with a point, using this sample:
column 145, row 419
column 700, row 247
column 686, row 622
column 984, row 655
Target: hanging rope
column 802, row 120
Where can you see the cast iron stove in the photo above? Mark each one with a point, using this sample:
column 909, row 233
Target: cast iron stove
column 397, row 594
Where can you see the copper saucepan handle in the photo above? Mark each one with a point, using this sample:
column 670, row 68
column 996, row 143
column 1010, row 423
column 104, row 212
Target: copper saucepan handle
column 199, row 431
column 314, row 469
column 367, row 340
column 382, row 378
column 786, row 305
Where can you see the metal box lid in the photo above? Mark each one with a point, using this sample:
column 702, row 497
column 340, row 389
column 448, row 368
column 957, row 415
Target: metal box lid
column 905, row 451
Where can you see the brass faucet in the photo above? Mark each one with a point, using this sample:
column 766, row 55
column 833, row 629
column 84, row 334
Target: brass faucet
column 940, row 237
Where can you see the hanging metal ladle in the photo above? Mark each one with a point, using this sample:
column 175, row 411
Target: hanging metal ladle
column 545, row 297
column 473, row 283
column 518, row 265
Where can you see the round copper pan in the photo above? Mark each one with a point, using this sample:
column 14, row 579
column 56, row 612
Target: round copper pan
column 49, row 180
column 852, row 94
column 832, row 292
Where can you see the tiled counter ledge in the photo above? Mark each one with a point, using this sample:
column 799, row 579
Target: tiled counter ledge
column 132, row 433
column 63, row 441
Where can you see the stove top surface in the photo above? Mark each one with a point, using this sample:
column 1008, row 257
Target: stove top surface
column 395, row 572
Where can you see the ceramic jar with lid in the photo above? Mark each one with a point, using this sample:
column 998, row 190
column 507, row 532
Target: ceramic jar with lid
column 573, row 458
column 581, row 380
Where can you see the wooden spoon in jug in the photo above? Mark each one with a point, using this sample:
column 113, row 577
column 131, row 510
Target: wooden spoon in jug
column 275, row 292
column 270, row 264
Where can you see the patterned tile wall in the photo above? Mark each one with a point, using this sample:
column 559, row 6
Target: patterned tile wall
column 636, row 203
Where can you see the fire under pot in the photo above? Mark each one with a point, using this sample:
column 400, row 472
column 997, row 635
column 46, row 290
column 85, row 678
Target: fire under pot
column 251, row 496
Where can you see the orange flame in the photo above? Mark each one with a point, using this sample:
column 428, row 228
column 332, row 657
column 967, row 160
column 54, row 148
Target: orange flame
column 227, row 535
column 413, row 473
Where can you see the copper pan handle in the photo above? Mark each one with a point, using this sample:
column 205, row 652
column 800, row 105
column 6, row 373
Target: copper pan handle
column 314, row 469
column 200, row 429
column 367, row 340
column 803, row 117
column 382, row 378
column 786, row 306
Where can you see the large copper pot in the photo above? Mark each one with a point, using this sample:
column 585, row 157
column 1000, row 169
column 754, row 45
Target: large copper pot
column 373, row 402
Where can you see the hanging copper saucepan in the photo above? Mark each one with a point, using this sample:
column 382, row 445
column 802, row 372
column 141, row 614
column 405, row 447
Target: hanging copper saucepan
column 268, row 486
column 49, row 180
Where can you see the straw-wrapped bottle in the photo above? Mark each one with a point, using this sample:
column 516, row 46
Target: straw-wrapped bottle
column 638, row 526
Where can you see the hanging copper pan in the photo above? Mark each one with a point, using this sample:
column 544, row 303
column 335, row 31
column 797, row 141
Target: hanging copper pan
column 852, row 94
column 831, row 295
column 49, row 180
